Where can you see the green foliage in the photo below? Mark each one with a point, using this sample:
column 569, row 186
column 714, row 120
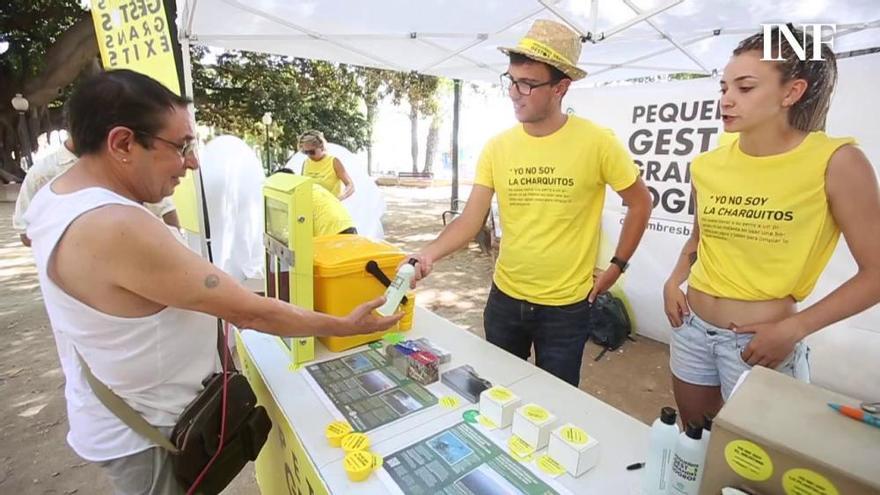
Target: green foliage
column 419, row 90
column 233, row 93
column 31, row 27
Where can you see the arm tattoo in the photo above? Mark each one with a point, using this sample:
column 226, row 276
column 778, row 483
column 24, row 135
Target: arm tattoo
column 692, row 257
column 212, row 281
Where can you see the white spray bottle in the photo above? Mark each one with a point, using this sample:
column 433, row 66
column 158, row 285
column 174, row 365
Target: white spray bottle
column 661, row 448
column 398, row 288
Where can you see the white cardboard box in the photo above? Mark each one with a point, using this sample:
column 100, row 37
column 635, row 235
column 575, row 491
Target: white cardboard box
column 574, row 449
column 533, row 424
column 498, row 404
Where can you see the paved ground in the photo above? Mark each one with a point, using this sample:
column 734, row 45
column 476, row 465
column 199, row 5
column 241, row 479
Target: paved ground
column 35, row 459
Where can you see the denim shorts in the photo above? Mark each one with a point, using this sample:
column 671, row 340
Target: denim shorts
column 703, row 354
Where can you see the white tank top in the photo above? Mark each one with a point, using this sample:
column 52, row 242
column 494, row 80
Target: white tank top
column 155, row 363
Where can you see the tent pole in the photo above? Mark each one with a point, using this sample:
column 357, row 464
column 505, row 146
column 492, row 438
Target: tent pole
column 456, row 113
column 204, row 235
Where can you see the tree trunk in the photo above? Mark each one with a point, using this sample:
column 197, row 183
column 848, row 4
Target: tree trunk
column 414, row 137
column 73, row 51
column 371, row 117
column 431, row 142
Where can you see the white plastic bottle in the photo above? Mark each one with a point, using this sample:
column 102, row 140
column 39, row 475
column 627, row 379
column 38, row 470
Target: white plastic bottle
column 707, row 431
column 688, row 462
column 661, row 448
column 398, row 288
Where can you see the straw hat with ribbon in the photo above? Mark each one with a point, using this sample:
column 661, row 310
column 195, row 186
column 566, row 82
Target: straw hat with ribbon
column 552, row 43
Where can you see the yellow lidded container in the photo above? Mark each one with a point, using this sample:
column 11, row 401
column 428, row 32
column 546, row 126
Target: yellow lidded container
column 342, row 281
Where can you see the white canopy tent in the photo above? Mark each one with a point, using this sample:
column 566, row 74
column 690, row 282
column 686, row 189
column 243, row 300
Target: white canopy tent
column 458, row 38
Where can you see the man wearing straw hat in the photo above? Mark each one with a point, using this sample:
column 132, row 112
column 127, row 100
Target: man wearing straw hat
column 550, row 173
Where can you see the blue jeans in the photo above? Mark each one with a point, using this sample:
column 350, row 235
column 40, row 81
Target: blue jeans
column 702, row 354
column 559, row 333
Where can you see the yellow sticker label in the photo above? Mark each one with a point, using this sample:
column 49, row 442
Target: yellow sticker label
column 550, row 466
column 354, row 442
column 338, row 428
column 748, row 460
column 519, row 448
column 449, row 402
column 500, row 394
column 536, row 413
column 486, row 422
column 805, row 482
column 574, row 435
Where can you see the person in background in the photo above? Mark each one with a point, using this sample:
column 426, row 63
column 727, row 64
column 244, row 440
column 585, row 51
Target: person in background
column 324, row 168
column 772, row 204
column 54, row 165
column 329, row 216
column 123, row 295
column 550, row 173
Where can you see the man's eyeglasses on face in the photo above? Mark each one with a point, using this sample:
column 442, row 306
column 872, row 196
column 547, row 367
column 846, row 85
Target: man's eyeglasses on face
column 522, row 87
column 185, row 150
column 310, row 152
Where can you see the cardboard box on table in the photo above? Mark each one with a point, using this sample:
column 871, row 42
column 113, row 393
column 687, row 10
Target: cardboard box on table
column 777, row 436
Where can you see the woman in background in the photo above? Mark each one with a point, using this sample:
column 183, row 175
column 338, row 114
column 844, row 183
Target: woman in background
column 324, row 168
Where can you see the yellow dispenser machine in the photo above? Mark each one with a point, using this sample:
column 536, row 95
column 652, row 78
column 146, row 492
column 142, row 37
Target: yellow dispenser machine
column 289, row 250
column 351, row 270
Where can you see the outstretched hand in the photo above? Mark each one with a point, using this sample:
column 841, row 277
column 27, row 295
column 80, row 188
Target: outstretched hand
column 364, row 319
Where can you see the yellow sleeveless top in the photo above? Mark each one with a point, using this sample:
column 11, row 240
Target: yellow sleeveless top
column 323, row 173
column 766, row 230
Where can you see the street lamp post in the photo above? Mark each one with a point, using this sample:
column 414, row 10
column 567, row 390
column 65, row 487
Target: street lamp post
column 20, row 104
column 267, row 121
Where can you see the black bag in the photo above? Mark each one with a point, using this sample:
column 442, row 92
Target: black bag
column 609, row 322
column 197, row 433
column 195, row 438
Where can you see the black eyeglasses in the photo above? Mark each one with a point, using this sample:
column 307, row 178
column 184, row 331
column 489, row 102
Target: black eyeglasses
column 522, row 87
column 186, row 149
column 310, row 152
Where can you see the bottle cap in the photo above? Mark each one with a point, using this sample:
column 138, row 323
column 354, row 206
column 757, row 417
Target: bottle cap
column 335, row 431
column 355, row 441
column 693, row 430
column 707, row 421
column 668, row 415
column 358, row 465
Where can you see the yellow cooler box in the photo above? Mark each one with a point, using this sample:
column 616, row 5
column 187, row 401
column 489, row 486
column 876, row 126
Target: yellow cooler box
column 344, row 281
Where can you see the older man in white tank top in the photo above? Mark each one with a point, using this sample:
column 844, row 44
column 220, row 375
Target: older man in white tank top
column 121, row 291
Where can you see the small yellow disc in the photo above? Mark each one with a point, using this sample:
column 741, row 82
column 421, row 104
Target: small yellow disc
column 519, row 447
column 500, row 394
column 535, row 413
column 574, row 435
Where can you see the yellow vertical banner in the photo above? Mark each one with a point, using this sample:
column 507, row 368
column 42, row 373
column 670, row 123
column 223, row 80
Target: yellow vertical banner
column 137, row 35
column 283, row 466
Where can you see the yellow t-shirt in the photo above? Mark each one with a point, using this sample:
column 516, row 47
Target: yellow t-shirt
column 766, row 230
column 551, row 191
column 323, row 173
column 330, row 215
